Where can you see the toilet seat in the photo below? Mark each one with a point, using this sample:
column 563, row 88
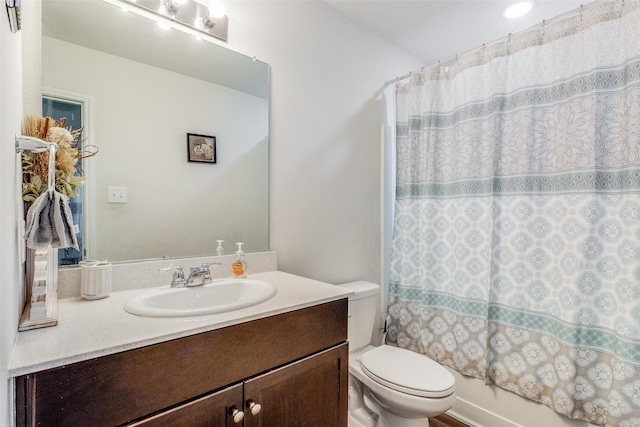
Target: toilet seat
column 407, row 372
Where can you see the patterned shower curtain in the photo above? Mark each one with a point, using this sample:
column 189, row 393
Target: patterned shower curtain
column 516, row 247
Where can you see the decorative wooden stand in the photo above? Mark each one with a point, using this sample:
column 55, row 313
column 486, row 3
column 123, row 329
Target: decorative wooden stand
column 41, row 306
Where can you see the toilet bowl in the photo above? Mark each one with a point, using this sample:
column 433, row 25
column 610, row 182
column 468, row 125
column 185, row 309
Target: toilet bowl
column 398, row 400
column 390, row 386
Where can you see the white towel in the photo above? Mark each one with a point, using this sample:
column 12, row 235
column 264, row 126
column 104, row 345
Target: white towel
column 50, row 222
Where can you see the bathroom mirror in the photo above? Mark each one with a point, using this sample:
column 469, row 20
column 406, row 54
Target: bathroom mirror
column 145, row 89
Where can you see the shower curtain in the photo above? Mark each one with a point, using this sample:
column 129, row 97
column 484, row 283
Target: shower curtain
column 516, row 246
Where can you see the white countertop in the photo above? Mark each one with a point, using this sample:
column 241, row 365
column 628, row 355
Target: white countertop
column 89, row 329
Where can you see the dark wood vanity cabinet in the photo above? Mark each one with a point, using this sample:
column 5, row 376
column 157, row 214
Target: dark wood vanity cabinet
column 291, row 369
column 216, row 410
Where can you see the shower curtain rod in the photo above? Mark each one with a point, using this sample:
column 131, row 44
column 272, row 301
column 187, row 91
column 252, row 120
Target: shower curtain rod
column 537, row 26
column 399, row 78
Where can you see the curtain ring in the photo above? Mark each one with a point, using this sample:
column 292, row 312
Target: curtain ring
column 509, row 42
column 544, row 30
column 581, row 12
column 481, row 54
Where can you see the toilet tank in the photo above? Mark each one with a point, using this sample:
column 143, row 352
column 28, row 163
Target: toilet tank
column 362, row 312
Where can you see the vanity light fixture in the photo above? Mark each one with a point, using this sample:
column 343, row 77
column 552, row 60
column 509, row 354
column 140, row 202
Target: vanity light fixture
column 210, row 19
column 519, row 9
column 173, row 6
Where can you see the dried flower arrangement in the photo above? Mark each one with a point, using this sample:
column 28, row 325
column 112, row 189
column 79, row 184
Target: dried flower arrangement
column 34, row 165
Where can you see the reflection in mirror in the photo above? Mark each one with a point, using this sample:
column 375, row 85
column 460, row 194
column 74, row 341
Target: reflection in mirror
column 143, row 89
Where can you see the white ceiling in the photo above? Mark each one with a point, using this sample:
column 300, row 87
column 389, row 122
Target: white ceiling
column 433, row 30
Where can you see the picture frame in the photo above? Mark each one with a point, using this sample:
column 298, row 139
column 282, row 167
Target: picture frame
column 201, row 148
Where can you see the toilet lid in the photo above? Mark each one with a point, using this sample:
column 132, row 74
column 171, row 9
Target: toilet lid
column 407, row 372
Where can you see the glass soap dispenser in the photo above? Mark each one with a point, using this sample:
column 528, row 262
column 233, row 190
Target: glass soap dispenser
column 239, row 265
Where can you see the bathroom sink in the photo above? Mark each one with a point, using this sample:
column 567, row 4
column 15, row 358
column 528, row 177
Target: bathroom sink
column 220, row 296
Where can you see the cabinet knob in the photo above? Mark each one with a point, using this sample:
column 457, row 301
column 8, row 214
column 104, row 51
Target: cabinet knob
column 237, row 415
column 254, row 407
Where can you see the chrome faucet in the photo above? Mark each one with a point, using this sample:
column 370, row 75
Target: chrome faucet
column 178, row 276
column 199, row 276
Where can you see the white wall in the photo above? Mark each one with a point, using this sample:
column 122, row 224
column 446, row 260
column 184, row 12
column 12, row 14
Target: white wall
column 326, row 111
column 15, row 98
column 10, row 109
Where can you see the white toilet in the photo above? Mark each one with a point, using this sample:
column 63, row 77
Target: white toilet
column 390, row 386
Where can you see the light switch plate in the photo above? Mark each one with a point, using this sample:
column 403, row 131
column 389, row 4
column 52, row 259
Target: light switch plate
column 116, row 194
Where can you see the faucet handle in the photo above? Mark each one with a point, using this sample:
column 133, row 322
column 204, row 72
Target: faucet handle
column 178, row 280
column 208, row 264
column 206, row 277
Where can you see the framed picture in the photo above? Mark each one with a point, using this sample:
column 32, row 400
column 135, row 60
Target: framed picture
column 201, row 148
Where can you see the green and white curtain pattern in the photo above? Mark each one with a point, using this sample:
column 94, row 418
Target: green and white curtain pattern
column 516, row 247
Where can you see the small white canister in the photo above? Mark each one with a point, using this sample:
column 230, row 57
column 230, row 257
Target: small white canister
column 95, row 279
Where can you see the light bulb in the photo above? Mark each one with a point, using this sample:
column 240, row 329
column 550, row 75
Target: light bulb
column 173, row 6
column 217, row 9
column 519, row 9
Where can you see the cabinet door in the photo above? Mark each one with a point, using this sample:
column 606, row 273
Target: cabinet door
column 214, row 410
column 309, row 393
